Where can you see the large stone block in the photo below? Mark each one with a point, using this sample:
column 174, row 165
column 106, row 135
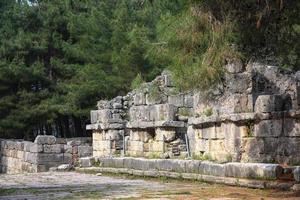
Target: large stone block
column 139, row 99
column 112, row 135
column 85, row 151
column 140, row 135
column 165, row 134
column 143, row 164
column 45, row 139
column 177, row 100
column 53, row 148
column 86, row 162
column 253, row 170
column 171, row 165
column 139, row 113
column 188, row 100
column 165, row 112
column 252, row 148
column 201, row 146
column 269, row 103
column 238, row 83
column 192, row 166
column 210, row 168
column 31, row 157
column 268, row 128
column 296, row 173
column 44, row 158
column 291, row 127
column 104, row 115
column 136, row 146
column 94, row 116
column 157, row 146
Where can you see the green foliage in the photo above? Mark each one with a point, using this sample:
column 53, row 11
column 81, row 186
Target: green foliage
column 184, row 111
column 57, row 58
column 154, row 92
column 208, row 112
column 196, row 46
column 137, row 82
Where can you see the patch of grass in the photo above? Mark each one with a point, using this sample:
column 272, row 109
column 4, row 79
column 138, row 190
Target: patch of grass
column 250, row 128
column 4, row 192
column 184, row 112
column 85, row 195
column 154, row 155
column 204, row 156
column 137, row 82
column 154, row 92
column 208, row 112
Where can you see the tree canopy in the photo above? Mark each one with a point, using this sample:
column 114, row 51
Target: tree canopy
column 57, row 58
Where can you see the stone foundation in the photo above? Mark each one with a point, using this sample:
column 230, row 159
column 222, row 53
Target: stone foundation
column 254, row 175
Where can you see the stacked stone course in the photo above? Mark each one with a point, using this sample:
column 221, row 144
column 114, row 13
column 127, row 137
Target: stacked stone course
column 19, row 156
column 252, row 116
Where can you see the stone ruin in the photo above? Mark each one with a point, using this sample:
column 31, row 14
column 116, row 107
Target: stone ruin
column 252, row 116
column 46, row 152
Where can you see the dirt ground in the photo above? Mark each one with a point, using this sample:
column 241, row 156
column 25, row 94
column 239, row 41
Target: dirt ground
column 73, row 185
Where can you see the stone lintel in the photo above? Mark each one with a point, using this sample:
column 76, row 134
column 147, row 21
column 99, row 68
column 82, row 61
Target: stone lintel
column 243, row 117
column 156, row 124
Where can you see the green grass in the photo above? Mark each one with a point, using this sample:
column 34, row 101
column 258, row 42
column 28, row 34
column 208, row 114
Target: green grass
column 85, row 195
column 4, row 192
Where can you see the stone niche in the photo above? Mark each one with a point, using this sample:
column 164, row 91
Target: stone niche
column 217, row 141
column 107, row 142
column 156, row 142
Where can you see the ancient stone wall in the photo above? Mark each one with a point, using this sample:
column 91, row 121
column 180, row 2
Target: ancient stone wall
column 252, row 116
column 17, row 156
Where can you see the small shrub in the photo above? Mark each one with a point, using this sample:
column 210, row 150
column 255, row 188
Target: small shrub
column 184, row 112
column 137, row 82
column 154, row 92
column 208, row 112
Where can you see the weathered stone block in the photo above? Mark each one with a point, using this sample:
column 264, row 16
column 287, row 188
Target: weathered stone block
column 165, row 112
column 68, row 149
column 85, row 151
column 86, row 162
column 54, row 148
column 50, row 157
column 170, row 165
column 31, row 157
column 269, row 103
column 139, row 113
column 104, row 115
column 253, row 170
column 235, row 67
column 188, row 100
column 252, row 148
column 139, row 135
column 296, row 173
column 139, row 99
column 45, row 139
column 239, row 83
column 192, row 166
column 291, row 127
column 201, row 145
column 165, row 134
column 209, row 168
column 177, row 100
column 268, row 128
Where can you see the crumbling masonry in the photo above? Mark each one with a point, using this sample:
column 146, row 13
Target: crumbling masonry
column 253, row 116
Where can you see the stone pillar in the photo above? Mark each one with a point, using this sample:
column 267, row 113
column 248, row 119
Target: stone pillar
column 107, row 142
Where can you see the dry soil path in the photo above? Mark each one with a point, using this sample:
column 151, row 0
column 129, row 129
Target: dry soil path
column 73, row 185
